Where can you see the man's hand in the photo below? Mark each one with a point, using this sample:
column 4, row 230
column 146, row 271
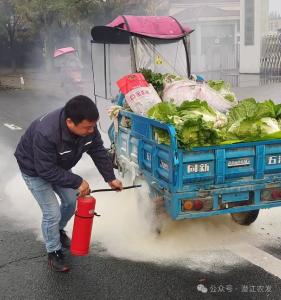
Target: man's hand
column 116, row 184
column 84, row 189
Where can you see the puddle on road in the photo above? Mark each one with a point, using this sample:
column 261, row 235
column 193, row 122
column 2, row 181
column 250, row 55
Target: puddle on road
column 125, row 232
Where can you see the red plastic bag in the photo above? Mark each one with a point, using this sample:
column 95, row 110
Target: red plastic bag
column 131, row 82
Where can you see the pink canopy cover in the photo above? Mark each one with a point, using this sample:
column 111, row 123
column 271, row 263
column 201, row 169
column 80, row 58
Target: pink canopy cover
column 163, row 27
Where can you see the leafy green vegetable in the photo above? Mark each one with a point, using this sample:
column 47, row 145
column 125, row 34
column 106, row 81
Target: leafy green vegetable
column 163, row 112
column 269, row 126
column 278, row 111
column 250, row 109
column 243, row 130
column 251, row 120
column 265, row 109
column 250, row 129
column 162, row 136
column 245, row 109
column 197, row 108
column 156, row 79
column 194, row 122
column 196, row 104
column 216, row 84
column 272, row 136
column 230, row 97
column 223, row 88
column 196, row 132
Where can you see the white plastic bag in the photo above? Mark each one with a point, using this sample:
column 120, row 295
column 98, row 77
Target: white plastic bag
column 142, row 99
column 179, row 91
column 214, row 99
column 187, row 90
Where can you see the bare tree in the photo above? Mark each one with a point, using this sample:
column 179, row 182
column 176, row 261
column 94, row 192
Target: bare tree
column 12, row 22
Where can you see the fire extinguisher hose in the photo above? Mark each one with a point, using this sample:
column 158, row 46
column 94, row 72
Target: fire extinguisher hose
column 105, row 190
column 111, row 190
column 114, row 190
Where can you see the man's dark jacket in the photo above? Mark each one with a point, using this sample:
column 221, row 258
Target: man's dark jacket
column 49, row 150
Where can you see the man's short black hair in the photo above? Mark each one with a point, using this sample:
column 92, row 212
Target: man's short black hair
column 81, row 108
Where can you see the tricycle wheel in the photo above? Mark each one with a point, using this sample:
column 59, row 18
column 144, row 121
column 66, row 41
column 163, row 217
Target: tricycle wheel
column 245, row 218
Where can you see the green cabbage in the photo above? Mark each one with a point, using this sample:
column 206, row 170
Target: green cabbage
column 164, row 111
column 194, row 122
column 197, row 124
column 196, row 132
column 196, row 108
column 250, row 109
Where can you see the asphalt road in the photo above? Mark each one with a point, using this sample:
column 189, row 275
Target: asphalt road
column 203, row 259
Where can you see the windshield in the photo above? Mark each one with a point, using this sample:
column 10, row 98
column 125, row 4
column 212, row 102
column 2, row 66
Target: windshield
column 161, row 56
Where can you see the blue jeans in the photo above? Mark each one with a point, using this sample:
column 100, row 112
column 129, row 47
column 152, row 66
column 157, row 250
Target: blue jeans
column 55, row 215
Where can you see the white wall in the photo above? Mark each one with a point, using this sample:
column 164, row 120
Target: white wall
column 250, row 54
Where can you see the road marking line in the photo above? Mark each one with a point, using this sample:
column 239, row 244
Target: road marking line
column 12, row 126
column 259, row 258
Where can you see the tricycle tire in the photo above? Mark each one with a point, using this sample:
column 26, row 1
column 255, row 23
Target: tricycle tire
column 245, row 218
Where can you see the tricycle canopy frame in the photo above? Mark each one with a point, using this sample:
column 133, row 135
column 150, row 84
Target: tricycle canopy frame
column 140, row 33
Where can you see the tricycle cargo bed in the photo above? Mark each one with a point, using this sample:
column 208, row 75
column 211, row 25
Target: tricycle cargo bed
column 179, row 170
column 236, row 179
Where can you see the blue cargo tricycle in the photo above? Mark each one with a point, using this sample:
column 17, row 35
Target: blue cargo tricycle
column 238, row 179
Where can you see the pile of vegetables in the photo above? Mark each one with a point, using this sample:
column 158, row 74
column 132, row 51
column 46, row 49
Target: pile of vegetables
column 158, row 81
column 197, row 124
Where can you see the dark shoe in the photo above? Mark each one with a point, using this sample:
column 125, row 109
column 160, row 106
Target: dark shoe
column 64, row 239
column 57, row 261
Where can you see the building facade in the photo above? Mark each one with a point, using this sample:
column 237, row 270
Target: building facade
column 227, row 35
column 215, row 41
column 274, row 22
column 254, row 25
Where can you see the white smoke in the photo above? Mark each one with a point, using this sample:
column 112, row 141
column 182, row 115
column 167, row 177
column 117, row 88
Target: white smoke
column 126, row 230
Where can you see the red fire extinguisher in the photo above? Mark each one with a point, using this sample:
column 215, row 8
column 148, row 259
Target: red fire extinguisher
column 83, row 222
column 82, row 228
